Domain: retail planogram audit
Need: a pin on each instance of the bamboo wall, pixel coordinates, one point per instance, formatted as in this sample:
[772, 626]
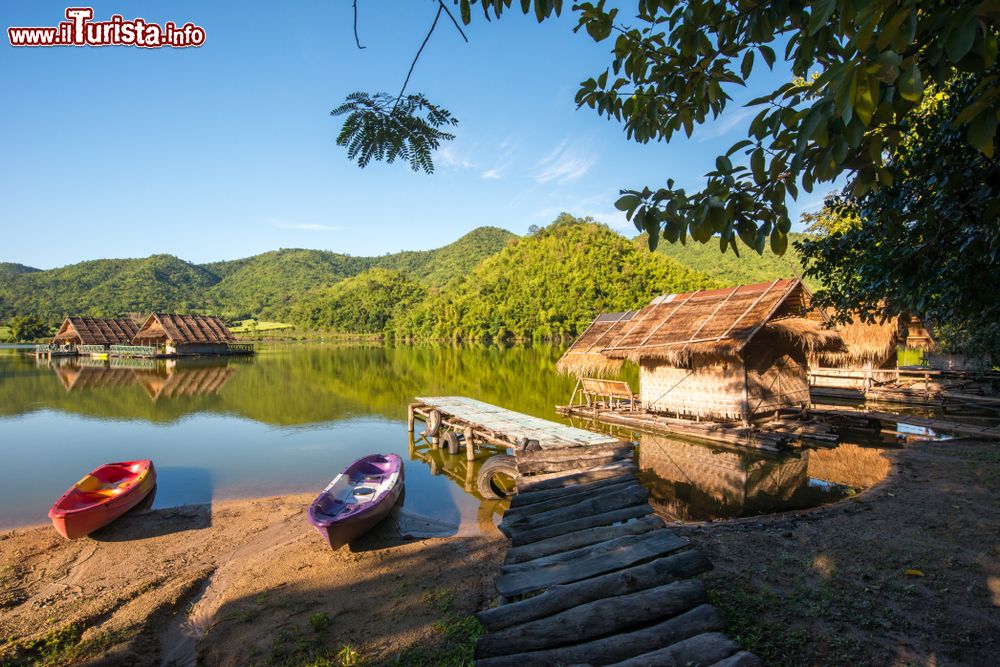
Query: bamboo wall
[709, 392]
[777, 376]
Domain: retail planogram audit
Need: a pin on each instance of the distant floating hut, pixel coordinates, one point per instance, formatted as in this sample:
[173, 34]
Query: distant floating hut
[736, 353]
[183, 335]
[868, 357]
[95, 334]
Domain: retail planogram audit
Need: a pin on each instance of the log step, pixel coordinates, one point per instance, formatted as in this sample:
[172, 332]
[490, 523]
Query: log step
[527, 498]
[701, 619]
[522, 537]
[621, 582]
[594, 619]
[591, 561]
[610, 499]
[582, 538]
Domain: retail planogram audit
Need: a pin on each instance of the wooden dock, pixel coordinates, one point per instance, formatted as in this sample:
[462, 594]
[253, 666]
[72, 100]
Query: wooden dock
[592, 577]
[877, 418]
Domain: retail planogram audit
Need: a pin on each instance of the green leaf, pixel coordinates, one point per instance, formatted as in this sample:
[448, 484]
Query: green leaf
[627, 202]
[779, 242]
[747, 65]
[466, 10]
[723, 164]
[767, 53]
[821, 12]
[910, 84]
[960, 39]
[982, 130]
[757, 166]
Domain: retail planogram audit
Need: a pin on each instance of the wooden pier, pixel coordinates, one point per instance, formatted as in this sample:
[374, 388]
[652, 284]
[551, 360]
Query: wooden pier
[787, 428]
[877, 419]
[592, 577]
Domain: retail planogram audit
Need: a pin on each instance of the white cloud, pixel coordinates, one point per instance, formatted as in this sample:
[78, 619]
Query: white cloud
[723, 125]
[303, 226]
[450, 157]
[492, 174]
[566, 163]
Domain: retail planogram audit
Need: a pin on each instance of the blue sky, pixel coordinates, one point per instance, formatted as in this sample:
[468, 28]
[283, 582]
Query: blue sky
[228, 150]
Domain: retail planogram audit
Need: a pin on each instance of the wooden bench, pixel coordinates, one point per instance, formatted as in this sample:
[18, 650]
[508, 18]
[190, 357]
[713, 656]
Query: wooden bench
[612, 394]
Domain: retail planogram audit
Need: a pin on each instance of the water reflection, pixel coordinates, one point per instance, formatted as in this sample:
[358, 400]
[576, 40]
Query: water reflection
[159, 378]
[692, 481]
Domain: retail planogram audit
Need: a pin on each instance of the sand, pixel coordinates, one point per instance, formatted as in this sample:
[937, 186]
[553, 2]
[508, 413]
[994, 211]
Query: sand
[236, 583]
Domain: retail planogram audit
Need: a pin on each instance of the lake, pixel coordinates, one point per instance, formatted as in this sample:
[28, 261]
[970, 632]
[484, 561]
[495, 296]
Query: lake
[288, 419]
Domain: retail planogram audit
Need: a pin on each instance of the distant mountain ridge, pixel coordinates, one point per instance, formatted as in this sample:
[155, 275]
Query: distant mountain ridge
[264, 285]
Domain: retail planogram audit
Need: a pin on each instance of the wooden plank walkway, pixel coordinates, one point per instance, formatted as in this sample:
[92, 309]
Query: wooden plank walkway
[937, 425]
[592, 577]
[513, 426]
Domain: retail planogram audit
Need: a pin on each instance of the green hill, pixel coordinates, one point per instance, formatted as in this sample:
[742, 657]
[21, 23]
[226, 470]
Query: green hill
[265, 285]
[729, 269]
[361, 304]
[108, 287]
[549, 284]
[434, 268]
[10, 269]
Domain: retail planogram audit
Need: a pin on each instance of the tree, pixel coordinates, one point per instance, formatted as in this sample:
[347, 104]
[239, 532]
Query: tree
[834, 216]
[927, 242]
[27, 328]
[675, 68]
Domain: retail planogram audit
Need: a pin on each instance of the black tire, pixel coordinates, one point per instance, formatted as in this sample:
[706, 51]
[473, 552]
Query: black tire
[495, 467]
[433, 424]
[450, 441]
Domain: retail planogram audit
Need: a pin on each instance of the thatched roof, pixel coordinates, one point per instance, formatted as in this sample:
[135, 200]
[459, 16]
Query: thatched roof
[876, 342]
[97, 330]
[185, 329]
[584, 356]
[707, 324]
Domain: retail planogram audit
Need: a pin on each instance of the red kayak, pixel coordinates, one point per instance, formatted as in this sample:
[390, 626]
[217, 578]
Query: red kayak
[102, 496]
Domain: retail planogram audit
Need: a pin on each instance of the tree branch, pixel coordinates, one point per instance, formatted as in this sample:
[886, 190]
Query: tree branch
[452, 17]
[356, 39]
[417, 57]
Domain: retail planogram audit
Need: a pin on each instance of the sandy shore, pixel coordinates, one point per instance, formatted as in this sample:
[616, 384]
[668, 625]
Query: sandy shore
[907, 573]
[240, 582]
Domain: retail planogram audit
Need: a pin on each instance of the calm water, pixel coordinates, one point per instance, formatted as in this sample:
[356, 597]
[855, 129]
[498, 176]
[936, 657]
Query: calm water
[290, 418]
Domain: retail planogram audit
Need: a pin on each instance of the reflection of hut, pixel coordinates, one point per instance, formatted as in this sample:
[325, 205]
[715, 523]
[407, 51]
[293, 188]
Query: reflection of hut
[690, 481]
[76, 377]
[185, 334]
[181, 381]
[733, 353]
[851, 465]
[99, 332]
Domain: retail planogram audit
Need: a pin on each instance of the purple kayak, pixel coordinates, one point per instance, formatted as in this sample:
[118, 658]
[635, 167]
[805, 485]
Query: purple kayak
[357, 498]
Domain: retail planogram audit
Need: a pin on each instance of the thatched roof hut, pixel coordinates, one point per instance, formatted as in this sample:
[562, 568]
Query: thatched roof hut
[185, 334]
[95, 331]
[731, 353]
[866, 344]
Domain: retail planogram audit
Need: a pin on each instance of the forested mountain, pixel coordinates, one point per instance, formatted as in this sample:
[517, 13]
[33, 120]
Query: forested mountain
[489, 284]
[551, 283]
[264, 285]
[729, 269]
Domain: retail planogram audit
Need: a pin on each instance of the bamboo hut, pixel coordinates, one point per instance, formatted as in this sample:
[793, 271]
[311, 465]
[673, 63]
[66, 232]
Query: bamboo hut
[867, 358]
[174, 381]
[185, 334]
[737, 353]
[95, 332]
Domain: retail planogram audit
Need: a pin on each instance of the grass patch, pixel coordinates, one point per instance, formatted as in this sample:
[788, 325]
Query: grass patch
[258, 326]
[746, 607]
[457, 635]
[60, 646]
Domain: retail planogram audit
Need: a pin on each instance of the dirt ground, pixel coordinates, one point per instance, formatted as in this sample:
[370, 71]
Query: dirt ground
[907, 573]
[241, 582]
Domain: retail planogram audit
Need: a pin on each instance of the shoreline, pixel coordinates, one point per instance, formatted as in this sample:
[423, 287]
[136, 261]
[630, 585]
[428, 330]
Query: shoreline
[243, 581]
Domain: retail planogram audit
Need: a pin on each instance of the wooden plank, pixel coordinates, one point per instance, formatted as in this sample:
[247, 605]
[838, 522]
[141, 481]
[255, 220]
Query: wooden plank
[701, 619]
[525, 499]
[618, 450]
[621, 582]
[703, 649]
[583, 462]
[595, 561]
[573, 554]
[582, 538]
[606, 519]
[560, 480]
[513, 516]
[603, 501]
[597, 618]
